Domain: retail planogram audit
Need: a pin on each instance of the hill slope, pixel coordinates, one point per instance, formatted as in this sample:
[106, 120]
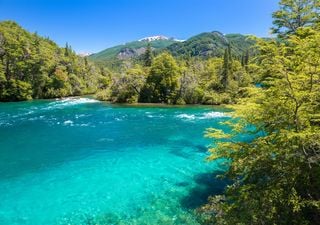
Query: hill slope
[211, 44]
[35, 67]
[132, 49]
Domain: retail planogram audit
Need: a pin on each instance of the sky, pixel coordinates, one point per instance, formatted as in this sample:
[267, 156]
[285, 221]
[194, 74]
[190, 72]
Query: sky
[92, 25]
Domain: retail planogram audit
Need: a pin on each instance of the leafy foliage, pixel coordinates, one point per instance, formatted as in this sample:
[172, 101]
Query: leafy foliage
[179, 81]
[162, 82]
[35, 67]
[294, 14]
[276, 175]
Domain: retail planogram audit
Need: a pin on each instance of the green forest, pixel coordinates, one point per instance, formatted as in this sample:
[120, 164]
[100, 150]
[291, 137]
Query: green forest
[272, 85]
[33, 67]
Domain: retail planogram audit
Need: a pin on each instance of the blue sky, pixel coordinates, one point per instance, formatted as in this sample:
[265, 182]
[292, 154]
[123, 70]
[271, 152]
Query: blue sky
[93, 25]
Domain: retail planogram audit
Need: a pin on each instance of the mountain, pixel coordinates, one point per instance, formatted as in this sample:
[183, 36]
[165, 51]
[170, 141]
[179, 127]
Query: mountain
[211, 44]
[132, 49]
[208, 44]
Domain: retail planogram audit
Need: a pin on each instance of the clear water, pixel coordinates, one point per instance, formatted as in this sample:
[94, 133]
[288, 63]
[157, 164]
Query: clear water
[79, 161]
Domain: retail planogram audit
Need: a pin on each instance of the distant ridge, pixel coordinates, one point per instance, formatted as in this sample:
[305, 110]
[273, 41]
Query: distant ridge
[133, 49]
[211, 44]
[207, 44]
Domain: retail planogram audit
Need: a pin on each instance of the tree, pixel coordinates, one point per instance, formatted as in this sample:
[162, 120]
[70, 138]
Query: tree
[67, 50]
[227, 66]
[3, 81]
[245, 59]
[162, 82]
[147, 56]
[18, 90]
[27, 59]
[128, 87]
[294, 14]
[276, 175]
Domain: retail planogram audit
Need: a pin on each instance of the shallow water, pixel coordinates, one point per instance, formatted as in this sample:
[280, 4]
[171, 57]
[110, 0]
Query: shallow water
[80, 161]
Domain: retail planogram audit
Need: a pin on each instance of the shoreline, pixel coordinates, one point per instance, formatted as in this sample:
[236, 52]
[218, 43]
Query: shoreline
[137, 104]
[163, 105]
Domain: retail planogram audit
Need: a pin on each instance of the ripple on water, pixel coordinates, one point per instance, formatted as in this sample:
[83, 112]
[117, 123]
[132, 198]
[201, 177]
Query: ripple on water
[74, 162]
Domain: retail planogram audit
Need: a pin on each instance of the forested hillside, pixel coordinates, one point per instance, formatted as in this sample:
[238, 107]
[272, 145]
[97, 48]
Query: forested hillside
[35, 67]
[212, 44]
[161, 78]
[129, 50]
[203, 46]
[210, 68]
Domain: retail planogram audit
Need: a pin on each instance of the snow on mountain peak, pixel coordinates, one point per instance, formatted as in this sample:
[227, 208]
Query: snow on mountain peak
[154, 38]
[84, 54]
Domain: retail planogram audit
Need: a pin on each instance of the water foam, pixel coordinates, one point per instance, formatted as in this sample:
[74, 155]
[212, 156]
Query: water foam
[70, 102]
[68, 122]
[186, 116]
[211, 115]
[208, 115]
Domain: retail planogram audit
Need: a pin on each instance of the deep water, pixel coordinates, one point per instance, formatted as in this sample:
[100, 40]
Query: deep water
[80, 161]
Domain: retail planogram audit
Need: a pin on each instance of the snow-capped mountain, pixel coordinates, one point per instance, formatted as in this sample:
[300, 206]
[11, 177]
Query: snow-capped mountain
[154, 38]
[84, 54]
[179, 40]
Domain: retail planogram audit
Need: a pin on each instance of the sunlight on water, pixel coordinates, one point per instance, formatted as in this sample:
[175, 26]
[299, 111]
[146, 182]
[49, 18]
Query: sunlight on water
[80, 161]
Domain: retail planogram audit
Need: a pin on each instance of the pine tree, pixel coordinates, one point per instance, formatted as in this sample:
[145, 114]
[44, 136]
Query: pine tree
[227, 64]
[148, 56]
[229, 53]
[67, 50]
[246, 58]
[242, 60]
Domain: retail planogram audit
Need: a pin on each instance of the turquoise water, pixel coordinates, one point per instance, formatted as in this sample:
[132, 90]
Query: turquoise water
[80, 161]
